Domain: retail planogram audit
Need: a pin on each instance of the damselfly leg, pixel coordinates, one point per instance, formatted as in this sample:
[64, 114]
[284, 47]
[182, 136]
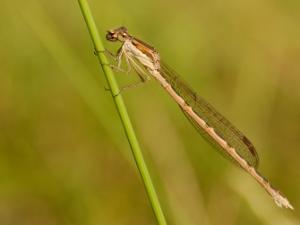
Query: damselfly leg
[131, 64]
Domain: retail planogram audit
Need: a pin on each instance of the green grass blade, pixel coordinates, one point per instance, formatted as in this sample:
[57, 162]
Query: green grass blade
[136, 151]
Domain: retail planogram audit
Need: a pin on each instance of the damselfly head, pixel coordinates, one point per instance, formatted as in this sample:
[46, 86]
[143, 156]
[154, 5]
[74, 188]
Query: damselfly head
[118, 34]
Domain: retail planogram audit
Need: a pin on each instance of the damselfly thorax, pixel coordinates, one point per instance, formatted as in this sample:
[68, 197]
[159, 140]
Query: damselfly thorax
[148, 57]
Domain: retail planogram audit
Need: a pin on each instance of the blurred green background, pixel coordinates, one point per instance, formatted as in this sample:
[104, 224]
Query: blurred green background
[64, 158]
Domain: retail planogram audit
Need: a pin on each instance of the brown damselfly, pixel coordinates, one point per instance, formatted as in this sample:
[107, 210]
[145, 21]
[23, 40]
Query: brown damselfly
[214, 127]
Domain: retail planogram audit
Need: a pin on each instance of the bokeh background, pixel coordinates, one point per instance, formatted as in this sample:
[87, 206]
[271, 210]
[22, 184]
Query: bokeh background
[64, 158]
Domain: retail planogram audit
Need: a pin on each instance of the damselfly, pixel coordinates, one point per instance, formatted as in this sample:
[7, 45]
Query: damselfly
[146, 62]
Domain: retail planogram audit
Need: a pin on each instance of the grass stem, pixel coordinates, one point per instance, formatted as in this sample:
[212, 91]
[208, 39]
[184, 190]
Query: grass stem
[113, 86]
